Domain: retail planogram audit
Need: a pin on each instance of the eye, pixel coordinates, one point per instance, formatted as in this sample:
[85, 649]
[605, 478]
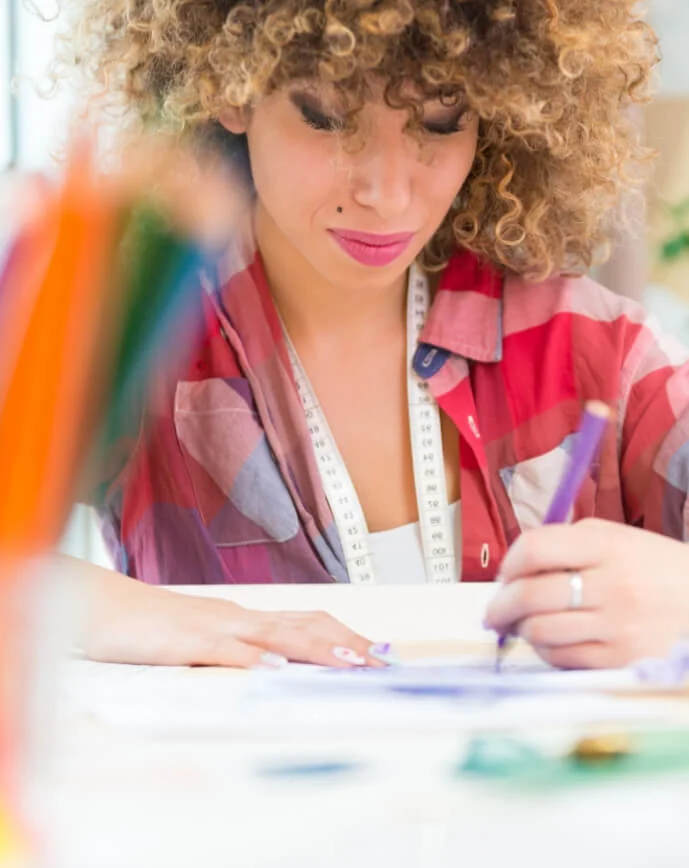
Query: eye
[319, 121]
[456, 124]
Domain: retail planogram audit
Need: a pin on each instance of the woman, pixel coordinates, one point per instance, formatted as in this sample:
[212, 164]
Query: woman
[393, 363]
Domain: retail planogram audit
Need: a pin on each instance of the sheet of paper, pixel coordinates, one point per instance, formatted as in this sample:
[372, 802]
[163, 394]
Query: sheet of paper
[452, 678]
[438, 696]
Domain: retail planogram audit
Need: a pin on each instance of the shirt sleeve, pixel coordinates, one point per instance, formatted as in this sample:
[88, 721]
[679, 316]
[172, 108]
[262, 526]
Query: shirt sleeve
[654, 430]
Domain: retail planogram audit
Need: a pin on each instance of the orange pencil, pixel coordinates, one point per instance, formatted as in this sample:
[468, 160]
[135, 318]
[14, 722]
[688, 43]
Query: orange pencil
[52, 308]
[42, 410]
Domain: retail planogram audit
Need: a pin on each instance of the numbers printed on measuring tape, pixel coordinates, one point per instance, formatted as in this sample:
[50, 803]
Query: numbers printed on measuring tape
[427, 454]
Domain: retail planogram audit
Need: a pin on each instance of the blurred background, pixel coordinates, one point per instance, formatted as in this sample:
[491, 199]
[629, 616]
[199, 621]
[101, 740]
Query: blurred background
[651, 264]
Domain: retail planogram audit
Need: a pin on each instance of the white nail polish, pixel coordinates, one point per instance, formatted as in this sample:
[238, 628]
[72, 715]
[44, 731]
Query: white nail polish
[383, 651]
[349, 656]
[272, 661]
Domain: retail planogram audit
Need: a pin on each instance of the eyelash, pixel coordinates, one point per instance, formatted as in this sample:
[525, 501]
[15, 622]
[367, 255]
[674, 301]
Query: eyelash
[318, 121]
[456, 125]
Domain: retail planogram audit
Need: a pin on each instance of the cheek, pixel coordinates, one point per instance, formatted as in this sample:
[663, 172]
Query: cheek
[448, 171]
[295, 180]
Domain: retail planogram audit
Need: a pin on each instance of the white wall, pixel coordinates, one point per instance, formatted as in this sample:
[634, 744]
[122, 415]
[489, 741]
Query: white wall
[5, 150]
[43, 122]
[671, 20]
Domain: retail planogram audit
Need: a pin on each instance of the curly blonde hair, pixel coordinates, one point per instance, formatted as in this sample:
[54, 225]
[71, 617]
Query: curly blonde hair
[550, 80]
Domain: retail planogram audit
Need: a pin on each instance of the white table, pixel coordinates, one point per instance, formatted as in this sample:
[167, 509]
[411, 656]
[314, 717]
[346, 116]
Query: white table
[126, 801]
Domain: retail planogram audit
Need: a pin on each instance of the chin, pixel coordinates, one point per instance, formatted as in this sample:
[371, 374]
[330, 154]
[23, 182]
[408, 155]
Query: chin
[354, 276]
[370, 280]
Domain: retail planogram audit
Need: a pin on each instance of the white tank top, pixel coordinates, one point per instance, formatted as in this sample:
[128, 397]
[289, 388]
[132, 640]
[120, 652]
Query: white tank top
[398, 554]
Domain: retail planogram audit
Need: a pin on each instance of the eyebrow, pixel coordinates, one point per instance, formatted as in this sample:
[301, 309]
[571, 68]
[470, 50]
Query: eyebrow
[310, 97]
[302, 95]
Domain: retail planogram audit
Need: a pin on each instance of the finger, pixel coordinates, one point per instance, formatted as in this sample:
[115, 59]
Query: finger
[538, 595]
[304, 646]
[557, 547]
[561, 629]
[587, 655]
[309, 638]
[344, 638]
[232, 652]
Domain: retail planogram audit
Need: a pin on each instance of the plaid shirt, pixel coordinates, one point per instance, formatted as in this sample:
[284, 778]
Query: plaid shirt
[221, 484]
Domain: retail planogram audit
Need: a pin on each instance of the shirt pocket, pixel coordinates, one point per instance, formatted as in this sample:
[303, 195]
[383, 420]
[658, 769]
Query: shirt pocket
[238, 487]
[531, 485]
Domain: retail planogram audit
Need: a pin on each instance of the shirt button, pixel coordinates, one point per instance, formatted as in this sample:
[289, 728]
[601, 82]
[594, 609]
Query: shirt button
[474, 427]
[485, 555]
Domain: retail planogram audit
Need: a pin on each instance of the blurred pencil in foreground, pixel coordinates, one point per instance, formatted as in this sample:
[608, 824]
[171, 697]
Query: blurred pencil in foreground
[103, 270]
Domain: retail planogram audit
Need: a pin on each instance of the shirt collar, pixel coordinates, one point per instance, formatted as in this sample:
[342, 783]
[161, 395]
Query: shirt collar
[465, 317]
[466, 314]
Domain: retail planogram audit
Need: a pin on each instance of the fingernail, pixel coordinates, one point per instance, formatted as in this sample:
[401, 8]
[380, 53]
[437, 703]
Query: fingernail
[383, 651]
[349, 656]
[271, 661]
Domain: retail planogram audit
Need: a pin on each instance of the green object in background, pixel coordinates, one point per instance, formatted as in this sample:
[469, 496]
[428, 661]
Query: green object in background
[509, 761]
[677, 245]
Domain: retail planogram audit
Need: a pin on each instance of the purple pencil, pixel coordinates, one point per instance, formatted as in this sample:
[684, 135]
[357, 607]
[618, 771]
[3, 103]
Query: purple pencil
[591, 429]
[593, 424]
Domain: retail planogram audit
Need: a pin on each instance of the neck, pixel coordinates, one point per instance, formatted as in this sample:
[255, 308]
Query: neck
[314, 310]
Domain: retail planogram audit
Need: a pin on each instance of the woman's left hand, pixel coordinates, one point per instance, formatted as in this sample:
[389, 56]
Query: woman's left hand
[634, 593]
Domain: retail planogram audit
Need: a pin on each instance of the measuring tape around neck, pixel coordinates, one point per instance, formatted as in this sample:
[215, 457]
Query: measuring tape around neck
[437, 537]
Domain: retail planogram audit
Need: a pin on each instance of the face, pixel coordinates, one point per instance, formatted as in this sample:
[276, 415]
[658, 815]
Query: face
[355, 212]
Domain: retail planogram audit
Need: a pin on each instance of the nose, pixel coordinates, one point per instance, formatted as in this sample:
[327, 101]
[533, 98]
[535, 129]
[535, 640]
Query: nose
[383, 170]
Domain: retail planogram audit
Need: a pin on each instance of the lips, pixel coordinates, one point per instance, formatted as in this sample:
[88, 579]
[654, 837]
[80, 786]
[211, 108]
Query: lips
[372, 249]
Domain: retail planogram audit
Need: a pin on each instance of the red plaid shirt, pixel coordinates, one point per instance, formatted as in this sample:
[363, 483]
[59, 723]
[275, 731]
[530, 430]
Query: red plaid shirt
[221, 484]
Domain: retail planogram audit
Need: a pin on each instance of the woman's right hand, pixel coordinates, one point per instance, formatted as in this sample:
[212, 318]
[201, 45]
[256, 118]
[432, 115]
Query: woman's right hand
[122, 620]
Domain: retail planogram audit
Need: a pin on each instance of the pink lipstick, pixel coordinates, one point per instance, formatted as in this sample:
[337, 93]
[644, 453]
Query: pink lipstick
[372, 249]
